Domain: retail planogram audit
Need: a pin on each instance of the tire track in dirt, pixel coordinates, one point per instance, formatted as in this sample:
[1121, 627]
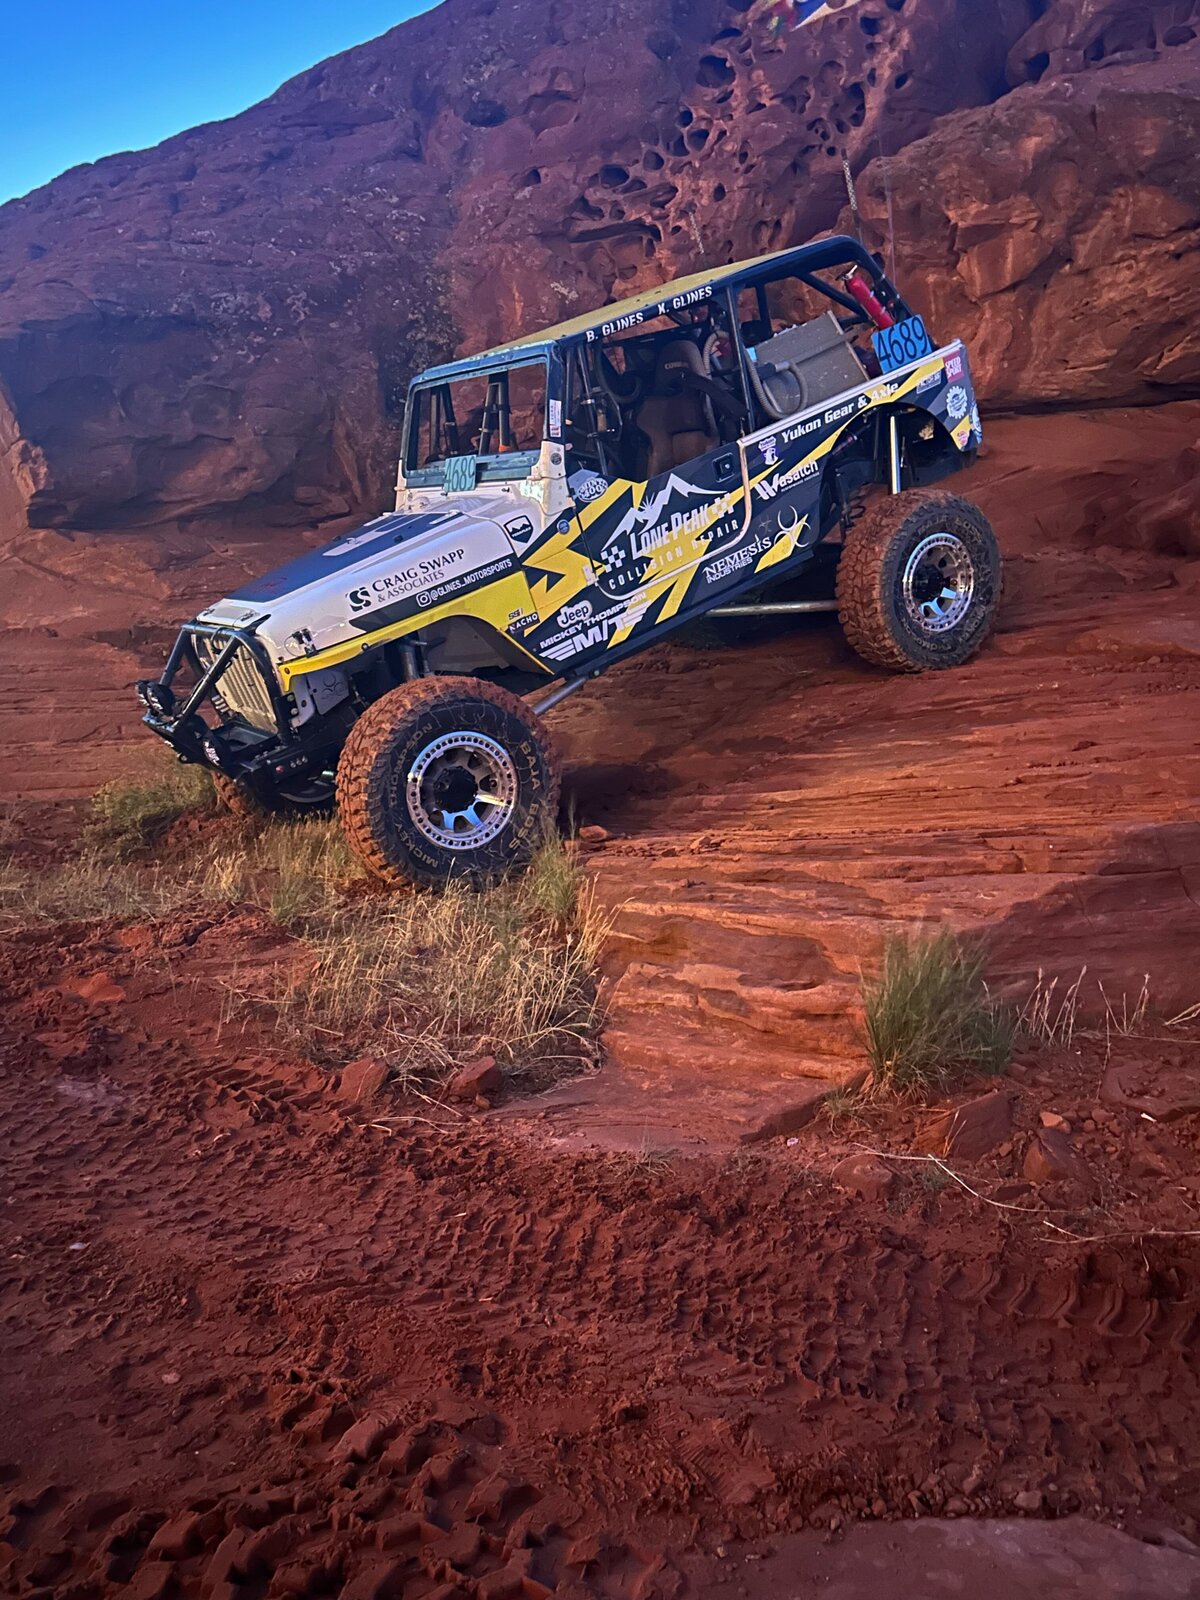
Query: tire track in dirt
[332, 1357]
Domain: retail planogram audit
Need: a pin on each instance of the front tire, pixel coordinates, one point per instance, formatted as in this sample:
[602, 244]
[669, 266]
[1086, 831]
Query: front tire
[919, 582]
[447, 778]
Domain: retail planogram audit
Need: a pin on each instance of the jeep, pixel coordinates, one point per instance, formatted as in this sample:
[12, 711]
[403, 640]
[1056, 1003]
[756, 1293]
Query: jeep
[568, 499]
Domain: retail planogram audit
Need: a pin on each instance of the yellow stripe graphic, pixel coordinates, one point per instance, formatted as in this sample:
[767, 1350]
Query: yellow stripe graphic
[491, 604]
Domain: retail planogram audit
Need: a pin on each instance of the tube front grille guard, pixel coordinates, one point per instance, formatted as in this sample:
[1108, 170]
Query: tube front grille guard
[214, 650]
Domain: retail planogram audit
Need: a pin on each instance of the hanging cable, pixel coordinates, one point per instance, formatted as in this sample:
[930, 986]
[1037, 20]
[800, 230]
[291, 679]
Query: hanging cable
[851, 195]
[891, 221]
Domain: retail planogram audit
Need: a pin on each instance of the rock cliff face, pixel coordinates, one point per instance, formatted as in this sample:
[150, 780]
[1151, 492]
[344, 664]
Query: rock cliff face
[221, 328]
[1058, 232]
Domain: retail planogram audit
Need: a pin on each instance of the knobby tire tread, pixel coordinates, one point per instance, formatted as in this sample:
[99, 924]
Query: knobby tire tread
[862, 605]
[361, 813]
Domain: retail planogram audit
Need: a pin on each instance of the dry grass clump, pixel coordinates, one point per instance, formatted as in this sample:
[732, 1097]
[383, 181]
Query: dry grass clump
[87, 887]
[554, 881]
[1050, 1020]
[130, 813]
[929, 1018]
[419, 978]
[424, 979]
[289, 870]
[1046, 1015]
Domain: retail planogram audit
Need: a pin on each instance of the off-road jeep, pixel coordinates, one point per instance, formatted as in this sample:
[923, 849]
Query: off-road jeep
[571, 498]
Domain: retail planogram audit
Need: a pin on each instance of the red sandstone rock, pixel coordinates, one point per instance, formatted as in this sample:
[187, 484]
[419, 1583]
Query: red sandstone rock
[1046, 229]
[178, 1538]
[1051, 1155]
[477, 1079]
[971, 1130]
[363, 1441]
[225, 323]
[865, 1176]
[363, 1079]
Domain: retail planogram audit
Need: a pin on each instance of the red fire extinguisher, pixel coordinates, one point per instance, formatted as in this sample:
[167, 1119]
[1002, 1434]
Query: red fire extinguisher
[858, 286]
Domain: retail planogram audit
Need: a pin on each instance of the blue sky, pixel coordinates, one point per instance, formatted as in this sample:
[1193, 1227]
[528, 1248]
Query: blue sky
[80, 79]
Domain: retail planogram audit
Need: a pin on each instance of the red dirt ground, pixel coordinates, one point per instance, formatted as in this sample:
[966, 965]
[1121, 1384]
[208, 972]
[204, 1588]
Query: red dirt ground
[257, 1341]
[254, 1338]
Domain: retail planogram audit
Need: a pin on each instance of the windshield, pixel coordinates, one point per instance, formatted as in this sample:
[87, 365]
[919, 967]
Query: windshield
[480, 425]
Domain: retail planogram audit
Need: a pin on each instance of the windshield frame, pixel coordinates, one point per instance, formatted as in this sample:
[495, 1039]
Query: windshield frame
[498, 467]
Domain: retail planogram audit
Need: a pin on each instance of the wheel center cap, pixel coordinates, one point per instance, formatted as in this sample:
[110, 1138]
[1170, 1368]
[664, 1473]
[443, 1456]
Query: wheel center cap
[453, 789]
[461, 790]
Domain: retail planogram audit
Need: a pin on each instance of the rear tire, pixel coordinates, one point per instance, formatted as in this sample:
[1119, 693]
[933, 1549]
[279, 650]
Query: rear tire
[918, 584]
[256, 803]
[447, 778]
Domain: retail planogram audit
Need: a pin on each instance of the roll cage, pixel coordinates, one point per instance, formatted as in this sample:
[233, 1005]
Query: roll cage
[582, 400]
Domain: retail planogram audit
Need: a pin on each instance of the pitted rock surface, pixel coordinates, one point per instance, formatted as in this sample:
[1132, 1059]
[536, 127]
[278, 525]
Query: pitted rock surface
[222, 327]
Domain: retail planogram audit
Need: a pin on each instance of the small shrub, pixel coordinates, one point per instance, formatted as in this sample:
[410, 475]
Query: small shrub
[929, 1018]
[554, 881]
[132, 812]
[840, 1106]
[934, 1178]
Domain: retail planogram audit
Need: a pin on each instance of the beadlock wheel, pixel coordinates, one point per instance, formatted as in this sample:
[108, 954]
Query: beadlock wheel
[461, 790]
[919, 581]
[447, 778]
[938, 582]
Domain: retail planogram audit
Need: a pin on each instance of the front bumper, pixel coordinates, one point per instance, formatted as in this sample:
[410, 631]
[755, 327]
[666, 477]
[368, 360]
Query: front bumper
[234, 745]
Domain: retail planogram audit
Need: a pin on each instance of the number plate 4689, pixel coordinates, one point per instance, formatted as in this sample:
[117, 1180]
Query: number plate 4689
[897, 346]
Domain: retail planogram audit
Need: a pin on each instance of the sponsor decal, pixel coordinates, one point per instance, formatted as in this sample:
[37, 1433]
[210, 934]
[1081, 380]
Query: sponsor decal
[931, 381]
[770, 449]
[674, 527]
[587, 486]
[976, 425]
[519, 530]
[469, 580]
[770, 487]
[520, 622]
[555, 418]
[597, 634]
[570, 616]
[801, 430]
[745, 555]
[961, 432]
[957, 403]
[954, 368]
[392, 586]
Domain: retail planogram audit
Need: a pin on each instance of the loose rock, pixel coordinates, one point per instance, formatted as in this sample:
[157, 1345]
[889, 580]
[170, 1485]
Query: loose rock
[477, 1080]
[362, 1080]
[1052, 1155]
[969, 1131]
[865, 1176]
